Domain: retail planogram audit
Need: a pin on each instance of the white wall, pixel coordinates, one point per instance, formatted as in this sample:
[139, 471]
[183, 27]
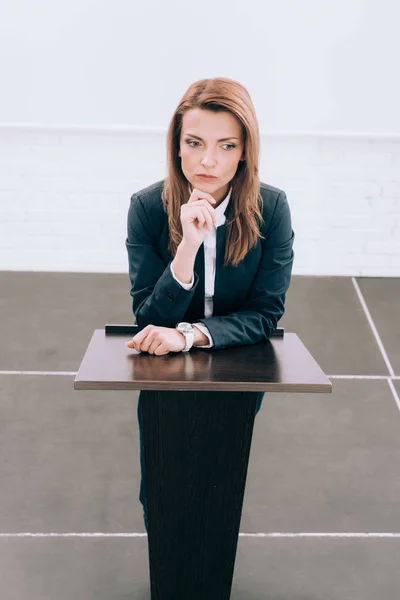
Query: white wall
[310, 65]
[88, 88]
[64, 198]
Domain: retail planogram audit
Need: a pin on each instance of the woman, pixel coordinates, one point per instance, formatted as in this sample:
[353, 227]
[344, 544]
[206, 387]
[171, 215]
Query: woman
[210, 248]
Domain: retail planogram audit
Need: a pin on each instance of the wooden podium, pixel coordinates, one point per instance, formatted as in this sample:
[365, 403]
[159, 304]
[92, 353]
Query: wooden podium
[198, 417]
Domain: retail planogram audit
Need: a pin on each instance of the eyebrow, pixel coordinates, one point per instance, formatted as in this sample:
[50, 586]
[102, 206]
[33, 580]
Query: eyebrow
[221, 140]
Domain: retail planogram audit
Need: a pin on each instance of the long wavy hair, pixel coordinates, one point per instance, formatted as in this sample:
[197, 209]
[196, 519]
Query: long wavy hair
[243, 226]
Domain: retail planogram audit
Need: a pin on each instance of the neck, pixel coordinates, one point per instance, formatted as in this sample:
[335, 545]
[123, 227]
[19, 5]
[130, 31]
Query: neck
[220, 194]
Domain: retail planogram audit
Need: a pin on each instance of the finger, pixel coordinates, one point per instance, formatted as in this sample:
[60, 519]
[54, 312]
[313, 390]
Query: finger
[200, 218]
[145, 345]
[203, 206]
[204, 203]
[199, 194]
[154, 345]
[140, 337]
[193, 214]
[209, 220]
[133, 344]
[162, 349]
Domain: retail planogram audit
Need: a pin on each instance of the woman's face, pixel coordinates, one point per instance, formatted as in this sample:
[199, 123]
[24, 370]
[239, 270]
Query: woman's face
[210, 143]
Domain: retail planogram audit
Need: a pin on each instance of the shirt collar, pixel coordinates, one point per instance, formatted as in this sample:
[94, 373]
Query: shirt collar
[221, 208]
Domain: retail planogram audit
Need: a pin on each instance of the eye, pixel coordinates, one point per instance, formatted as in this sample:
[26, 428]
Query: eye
[196, 142]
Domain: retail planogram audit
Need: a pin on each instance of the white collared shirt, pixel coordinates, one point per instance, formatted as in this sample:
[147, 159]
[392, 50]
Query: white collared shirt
[210, 254]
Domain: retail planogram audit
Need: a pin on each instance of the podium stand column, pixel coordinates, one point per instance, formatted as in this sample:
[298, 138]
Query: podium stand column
[196, 453]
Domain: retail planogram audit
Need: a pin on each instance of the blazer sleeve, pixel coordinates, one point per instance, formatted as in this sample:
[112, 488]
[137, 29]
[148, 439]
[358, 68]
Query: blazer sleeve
[259, 313]
[157, 298]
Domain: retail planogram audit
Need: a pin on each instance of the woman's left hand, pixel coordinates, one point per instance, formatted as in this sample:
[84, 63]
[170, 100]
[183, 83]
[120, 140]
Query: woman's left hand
[158, 340]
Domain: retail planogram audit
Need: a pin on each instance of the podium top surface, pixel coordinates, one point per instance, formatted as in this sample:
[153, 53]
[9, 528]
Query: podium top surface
[281, 364]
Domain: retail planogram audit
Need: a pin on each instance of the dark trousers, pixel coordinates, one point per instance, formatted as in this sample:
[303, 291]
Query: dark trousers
[142, 493]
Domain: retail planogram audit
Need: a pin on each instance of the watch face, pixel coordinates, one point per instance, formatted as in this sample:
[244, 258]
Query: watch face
[185, 327]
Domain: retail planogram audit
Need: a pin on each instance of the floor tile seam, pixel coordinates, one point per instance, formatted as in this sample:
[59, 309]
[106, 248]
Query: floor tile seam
[394, 392]
[373, 326]
[366, 377]
[74, 373]
[373, 378]
[342, 534]
[9, 372]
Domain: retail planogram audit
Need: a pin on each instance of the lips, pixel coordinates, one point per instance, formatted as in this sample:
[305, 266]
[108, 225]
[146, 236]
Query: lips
[206, 176]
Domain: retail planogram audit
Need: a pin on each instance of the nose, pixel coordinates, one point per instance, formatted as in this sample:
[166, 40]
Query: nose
[208, 160]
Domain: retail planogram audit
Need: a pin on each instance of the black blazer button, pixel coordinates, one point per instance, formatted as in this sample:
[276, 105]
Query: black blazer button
[171, 297]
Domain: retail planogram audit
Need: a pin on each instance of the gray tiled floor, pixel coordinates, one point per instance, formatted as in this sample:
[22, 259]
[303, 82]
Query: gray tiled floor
[326, 314]
[383, 300]
[48, 318]
[71, 457]
[319, 462]
[266, 569]
[326, 462]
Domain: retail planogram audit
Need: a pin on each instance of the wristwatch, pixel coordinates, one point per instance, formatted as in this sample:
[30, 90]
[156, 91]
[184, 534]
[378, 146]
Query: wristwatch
[188, 332]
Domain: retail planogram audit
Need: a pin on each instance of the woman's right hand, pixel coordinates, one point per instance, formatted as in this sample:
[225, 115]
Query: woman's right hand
[197, 217]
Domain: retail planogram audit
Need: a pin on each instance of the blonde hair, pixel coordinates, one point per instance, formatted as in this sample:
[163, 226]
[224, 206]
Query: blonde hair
[218, 94]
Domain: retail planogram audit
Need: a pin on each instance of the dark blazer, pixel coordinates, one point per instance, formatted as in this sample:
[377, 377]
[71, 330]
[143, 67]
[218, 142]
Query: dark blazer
[248, 299]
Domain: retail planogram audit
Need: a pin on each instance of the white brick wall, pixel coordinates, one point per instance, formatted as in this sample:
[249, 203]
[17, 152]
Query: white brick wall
[64, 197]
